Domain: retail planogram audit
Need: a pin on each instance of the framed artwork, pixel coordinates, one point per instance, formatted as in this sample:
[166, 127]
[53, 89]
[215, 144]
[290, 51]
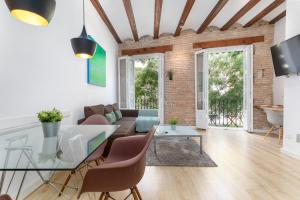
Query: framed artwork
[96, 73]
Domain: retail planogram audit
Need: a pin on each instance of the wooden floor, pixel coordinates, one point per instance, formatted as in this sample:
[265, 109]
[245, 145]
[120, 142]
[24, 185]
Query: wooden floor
[249, 167]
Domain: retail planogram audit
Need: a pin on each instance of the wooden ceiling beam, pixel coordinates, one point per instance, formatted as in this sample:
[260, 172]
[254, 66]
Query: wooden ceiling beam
[105, 19]
[186, 11]
[212, 15]
[130, 15]
[240, 14]
[147, 50]
[263, 13]
[157, 16]
[279, 17]
[228, 42]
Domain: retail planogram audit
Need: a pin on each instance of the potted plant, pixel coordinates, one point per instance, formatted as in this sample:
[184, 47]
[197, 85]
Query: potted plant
[173, 122]
[50, 122]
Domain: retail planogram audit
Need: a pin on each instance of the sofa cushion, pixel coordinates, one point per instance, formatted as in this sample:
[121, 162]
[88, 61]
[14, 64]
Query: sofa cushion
[115, 106]
[126, 127]
[130, 113]
[111, 117]
[93, 110]
[108, 109]
[129, 118]
[118, 114]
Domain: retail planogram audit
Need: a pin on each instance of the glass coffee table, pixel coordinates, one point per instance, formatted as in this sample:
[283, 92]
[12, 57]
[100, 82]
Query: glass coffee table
[179, 131]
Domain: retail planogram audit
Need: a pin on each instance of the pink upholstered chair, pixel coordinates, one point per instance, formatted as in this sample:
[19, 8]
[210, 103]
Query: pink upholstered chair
[97, 155]
[5, 197]
[96, 120]
[123, 168]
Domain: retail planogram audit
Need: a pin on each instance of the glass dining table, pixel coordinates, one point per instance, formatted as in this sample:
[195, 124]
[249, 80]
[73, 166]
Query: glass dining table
[27, 149]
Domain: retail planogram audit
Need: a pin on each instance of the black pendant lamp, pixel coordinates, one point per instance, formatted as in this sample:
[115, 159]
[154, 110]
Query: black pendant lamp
[34, 12]
[83, 47]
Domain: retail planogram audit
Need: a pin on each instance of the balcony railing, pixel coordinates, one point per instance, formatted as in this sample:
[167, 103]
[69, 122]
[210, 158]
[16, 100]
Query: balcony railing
[226, 113]
[143, 103]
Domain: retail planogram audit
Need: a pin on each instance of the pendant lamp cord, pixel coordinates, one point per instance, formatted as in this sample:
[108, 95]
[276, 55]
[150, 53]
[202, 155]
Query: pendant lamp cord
[83, 12]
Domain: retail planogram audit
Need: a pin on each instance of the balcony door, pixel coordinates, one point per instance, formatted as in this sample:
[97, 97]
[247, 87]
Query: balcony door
[126, 83]
[141, 82]
[201, 86]
[223, 114]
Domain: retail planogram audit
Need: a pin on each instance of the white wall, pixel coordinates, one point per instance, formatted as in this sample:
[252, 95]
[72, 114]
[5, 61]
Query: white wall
[38, 69]
[292, 88]
[278, 83]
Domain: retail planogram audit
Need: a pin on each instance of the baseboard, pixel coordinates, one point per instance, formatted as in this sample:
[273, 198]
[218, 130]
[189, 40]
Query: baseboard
[289, 153]
[259, 131]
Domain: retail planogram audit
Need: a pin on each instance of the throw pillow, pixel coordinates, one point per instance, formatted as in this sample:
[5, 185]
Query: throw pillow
[108, 109]
[118, 114]
[111, 117]
[115, 106]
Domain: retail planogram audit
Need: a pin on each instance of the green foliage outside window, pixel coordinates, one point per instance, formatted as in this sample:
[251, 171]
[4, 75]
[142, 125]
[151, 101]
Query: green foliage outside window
[226, 79]
[146, 84]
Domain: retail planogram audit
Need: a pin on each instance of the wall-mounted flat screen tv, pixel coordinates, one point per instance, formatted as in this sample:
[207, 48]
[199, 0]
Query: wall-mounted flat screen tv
[286, 57]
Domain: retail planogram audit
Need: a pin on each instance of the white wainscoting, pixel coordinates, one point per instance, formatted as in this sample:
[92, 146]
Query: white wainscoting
[16, 123]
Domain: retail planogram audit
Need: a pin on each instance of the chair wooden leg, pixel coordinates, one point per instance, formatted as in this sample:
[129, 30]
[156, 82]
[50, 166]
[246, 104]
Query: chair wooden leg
[106, 195]
[66, 183]
[268, 133]
[134, 194]
[102, 158]
[97, 162]
[280, 135]
[101, 196]
[137, 192]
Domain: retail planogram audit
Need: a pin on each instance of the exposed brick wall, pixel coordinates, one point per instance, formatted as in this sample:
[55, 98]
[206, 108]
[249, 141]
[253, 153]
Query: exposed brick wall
[180, 93]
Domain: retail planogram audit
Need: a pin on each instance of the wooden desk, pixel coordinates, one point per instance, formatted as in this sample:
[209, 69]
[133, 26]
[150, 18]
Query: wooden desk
[278, 108]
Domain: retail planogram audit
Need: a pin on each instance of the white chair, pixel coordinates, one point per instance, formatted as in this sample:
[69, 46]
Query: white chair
[276, 119]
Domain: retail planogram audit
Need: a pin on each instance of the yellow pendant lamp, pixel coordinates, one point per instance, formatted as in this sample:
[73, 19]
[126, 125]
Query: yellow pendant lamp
[83, 47]
[34, 12]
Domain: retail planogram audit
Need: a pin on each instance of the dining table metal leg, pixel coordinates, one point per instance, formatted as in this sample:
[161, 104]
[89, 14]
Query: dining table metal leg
[14, 173]
[4, 172]
[201, 145]
[48, 182]
[155, 151]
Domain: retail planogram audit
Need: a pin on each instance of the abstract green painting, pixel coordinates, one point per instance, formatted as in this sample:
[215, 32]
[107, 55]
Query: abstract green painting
[97, 67]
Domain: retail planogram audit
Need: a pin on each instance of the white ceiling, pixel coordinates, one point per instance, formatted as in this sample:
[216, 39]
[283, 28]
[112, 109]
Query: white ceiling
[171, 12]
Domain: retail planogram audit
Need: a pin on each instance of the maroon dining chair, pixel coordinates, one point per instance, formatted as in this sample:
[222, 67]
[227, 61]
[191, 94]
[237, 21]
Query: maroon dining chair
[96, 156]
[123, 168]
[5, 197]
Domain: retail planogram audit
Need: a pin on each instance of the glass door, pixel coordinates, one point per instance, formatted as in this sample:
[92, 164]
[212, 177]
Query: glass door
[201, 86]
[126, 83]
[248, 88]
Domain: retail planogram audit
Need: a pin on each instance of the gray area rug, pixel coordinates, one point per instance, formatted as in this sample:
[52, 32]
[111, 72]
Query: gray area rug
[178, 152]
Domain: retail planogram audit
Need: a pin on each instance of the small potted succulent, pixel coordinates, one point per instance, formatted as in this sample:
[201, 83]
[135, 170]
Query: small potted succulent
[173, 122]
[50, 122]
